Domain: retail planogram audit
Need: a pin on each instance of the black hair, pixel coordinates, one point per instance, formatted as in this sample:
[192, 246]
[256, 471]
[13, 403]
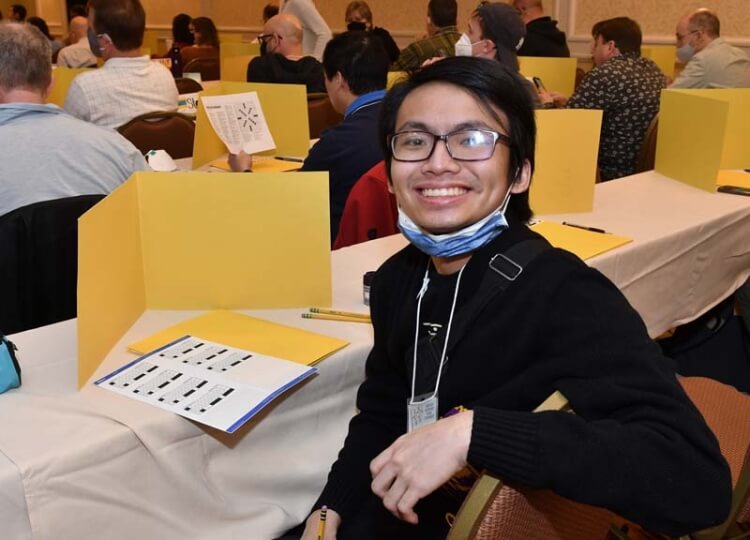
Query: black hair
[41, 24]
[442, 12]
[361, 59]
[270, 10]
[124, 21]
[19, 12]
[496, 88]
[207, 29]
[181, 28]
[78, 10]
[625, 32]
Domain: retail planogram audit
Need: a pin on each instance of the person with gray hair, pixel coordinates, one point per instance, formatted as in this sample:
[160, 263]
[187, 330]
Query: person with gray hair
[46, 153]
[710, 62]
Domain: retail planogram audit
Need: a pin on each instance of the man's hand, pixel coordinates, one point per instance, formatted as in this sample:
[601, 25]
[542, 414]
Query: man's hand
[333, 521]
[241, 162]
[418, 463]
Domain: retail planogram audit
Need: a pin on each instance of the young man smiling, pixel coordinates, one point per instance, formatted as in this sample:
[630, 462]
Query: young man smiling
[479, 320]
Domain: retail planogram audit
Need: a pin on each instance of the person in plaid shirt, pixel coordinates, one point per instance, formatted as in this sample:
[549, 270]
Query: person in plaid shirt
[442, 35]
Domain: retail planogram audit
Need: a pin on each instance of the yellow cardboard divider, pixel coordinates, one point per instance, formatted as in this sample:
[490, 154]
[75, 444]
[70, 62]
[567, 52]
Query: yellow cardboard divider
[249, 333]
[238, 48]
[567, 146]
[557, 74]
[199, 241]
[585, 244]
[702, 132]
[285, 109]
[61, 79]
[150, 42]
[229, 37]
[394, 77]
[234, 68]
[663, 56]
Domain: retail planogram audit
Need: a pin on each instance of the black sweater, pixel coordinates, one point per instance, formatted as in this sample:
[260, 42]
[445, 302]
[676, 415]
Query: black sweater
[543, 38]
[635, 445]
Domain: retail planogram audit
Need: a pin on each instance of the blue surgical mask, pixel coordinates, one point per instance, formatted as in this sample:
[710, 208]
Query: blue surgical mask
[94, 43]
[685, 53]
[459, 242]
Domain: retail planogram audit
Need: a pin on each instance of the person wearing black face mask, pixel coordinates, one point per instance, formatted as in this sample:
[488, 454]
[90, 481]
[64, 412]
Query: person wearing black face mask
[359, 18]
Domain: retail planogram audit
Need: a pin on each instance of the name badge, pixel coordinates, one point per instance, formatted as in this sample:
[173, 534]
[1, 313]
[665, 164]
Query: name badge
[421, 413]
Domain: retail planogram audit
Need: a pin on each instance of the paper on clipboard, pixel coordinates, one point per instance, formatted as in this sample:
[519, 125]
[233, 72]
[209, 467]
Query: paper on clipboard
[239, 122]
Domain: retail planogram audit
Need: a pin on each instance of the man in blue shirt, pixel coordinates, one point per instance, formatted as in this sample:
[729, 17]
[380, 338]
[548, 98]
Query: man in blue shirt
[356, 72]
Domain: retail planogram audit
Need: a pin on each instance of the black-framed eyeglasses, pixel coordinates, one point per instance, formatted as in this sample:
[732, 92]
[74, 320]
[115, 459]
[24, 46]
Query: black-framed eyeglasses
[265, 37]
[462, 144]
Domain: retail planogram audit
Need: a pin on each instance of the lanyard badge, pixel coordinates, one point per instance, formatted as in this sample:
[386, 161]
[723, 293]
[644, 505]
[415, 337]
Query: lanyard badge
[422, 410]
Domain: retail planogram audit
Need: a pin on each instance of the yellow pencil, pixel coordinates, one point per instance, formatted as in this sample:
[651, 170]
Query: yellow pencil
[326, 311]
[322, 523]
[341, 318]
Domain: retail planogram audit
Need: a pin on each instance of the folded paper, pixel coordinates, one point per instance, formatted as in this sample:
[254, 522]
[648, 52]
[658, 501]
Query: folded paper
[585, 244]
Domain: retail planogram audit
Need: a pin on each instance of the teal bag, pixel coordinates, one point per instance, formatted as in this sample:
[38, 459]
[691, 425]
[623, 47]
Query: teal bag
[10, 371]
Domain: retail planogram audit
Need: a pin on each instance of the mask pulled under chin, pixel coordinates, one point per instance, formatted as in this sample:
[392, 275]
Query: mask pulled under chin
[466, 240]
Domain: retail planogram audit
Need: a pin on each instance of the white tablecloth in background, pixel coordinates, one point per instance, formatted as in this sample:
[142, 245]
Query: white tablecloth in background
[90, 464]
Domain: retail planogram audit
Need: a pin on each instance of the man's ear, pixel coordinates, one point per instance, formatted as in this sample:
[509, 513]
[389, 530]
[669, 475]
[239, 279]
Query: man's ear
[487, 47]
[522, 178]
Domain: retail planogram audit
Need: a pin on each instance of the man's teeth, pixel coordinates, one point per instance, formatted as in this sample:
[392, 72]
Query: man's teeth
[443, 192]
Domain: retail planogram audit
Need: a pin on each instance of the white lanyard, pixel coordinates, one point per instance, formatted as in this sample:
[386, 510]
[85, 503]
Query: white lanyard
[420, 295]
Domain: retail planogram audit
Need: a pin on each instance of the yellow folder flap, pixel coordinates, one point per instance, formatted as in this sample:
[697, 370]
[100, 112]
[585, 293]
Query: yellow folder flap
[566, 153]
[261, 164]
[234, 68]
[690, 141]
[249, 333]
[585, 244]
[61, 79]
[733, 178]
[663, 56]
[231, 47]
[394, 77]
[284, 107]
[557, 74]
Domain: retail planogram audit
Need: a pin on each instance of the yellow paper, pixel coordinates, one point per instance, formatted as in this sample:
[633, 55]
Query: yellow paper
[733, 178]
[557, 74]
[249, 333]
[394, 77]
[585, 244]
[663, 56]
[691, 137]
[200, 241]
[566, 152]
[262, 164]
[284, 107]
[111, 288]
[61, 79]
[234, 68]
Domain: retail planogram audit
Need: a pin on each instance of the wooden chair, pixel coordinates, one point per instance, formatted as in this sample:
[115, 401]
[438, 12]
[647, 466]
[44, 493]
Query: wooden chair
[727, 413]
[320, 114]
[170, 131]
[208, 67]
[647, 155]
[186, 85]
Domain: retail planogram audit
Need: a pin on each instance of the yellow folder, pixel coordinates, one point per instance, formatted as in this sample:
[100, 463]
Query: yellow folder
[557, 74]
[733, 178]
[249, 333]
[663, 56]
[585, 244]
[61, 79]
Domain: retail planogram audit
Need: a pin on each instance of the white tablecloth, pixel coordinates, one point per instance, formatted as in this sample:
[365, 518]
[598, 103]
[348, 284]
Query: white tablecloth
[92, 464]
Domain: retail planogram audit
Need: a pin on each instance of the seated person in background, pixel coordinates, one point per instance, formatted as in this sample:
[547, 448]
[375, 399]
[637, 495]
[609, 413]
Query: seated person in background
[543, 38]
[281, 59]
[79, 53]
[46, 153]
[710, 62]
[206, 40]
[459, 141]
[442, 37]
[129, 84]
[359, 17]
[55, 44]
[316, 32]
[17, 12]
[356, 72]
[623, 84]
[181, 35]
[495, 31]
[269, 10]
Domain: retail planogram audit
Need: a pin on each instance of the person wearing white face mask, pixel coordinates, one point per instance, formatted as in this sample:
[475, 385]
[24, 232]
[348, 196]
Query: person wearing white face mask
[478, 320]
[710, 62]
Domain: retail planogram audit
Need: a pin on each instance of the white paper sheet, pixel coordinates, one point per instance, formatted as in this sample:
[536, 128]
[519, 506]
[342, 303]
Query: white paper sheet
[220, 386]
[239, 122]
